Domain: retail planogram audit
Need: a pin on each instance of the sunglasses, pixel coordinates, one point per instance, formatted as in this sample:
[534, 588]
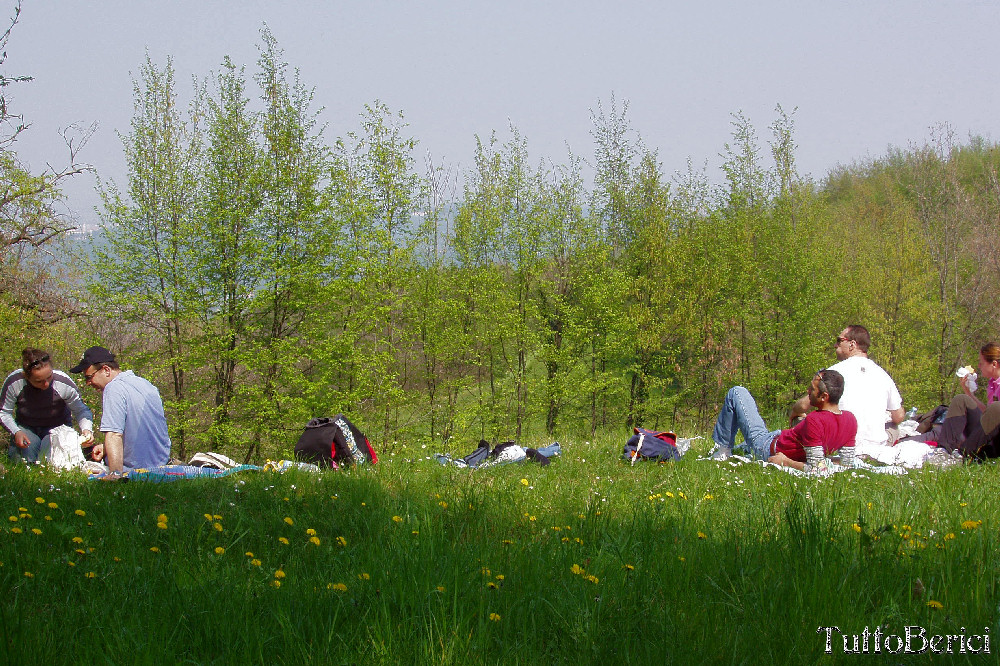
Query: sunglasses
[37, 362]
[92, 375]
[840, 339]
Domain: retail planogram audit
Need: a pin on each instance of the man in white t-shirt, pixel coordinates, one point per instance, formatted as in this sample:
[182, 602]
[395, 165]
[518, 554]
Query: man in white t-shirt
[869, 392]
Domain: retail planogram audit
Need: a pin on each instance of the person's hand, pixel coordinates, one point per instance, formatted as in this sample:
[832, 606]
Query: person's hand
[88, 437]
[780, 459]
[97, 453]
[21, 440]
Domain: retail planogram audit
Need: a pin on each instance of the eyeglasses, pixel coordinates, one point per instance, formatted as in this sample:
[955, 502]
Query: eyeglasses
[840, 339]
[92, 375]
[37, 362]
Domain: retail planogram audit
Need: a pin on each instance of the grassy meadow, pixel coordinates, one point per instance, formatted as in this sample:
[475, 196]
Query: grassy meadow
[588, 560]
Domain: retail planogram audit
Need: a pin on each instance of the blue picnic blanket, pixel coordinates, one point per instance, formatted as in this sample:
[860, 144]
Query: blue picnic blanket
[177, 472]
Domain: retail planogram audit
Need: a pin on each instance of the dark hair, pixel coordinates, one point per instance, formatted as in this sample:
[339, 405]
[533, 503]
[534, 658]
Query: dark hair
[990, 351]
[32, 358]
[860, 336]
[831, 382]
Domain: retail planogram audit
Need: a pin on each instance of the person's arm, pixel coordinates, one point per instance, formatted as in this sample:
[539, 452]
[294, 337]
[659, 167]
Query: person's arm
[897, 415]
[799, 409]
[114, 447]
[783, 460]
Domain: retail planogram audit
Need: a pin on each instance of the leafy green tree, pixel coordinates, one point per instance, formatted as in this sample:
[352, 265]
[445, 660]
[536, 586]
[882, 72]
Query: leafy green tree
[146, 269]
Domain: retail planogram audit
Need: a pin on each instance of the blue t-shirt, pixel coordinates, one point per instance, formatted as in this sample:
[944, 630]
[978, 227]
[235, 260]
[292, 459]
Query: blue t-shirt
[132, 406]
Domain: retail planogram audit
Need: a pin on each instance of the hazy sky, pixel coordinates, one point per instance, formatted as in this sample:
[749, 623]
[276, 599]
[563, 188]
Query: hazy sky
[863, 74]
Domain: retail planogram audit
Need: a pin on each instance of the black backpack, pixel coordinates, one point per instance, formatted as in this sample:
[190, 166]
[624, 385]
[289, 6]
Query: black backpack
[334, 442]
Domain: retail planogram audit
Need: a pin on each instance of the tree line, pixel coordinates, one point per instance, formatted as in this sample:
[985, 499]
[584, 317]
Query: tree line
[262, 275]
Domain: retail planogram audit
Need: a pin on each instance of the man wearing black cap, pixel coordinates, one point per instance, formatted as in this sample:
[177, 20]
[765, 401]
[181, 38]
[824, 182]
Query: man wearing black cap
[132, 419]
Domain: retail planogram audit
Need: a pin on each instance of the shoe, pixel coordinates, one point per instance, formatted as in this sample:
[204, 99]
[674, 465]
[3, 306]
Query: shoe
[721, 453]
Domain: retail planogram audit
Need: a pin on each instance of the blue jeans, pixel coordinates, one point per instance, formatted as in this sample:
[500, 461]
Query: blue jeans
[39, 445]
[739, 414]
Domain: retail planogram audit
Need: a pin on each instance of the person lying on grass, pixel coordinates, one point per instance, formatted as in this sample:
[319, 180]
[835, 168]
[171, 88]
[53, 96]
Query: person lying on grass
[825, 430]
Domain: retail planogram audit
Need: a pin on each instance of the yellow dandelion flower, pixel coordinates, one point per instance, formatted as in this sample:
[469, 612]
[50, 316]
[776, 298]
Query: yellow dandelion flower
[28, 574]
[39, 500]
[593, 579]
[219, 550]
[682, 495]
[248, 554]
[255, 562]
[35, 530]
[506, 542]
[117, 559]
[565, 539]
[857, 528]
[283, 540]
[162, 518]
[397, 519]
[578, 540]
[80, 551]
[415, 532]
[25, 515]
[52, 505]
[364, 576]
[314, 540]
[208, 517]
[708, 497]
[279, 573]
[499, 576]
[494, 617]
[48, 517]
[491, 585]
[161, 525]
[289, 521]
[339, 587]
[682, 559]
[217, 527]
[310, 532]
[936, 605]
[15, 530]
[80, 512]
[669, 494]
[440, 588]
[628, 567]
[154, 549]
[531, 518]
[971, 524]
[524, 482]
[963, 504]
[276, 583]
[341, 541]
[485, 571]
[702, 535]
[217, 517]
[443, 505]
[12, 519]
[577, 569]
[949, 536]
[90, 574]
[21, 509]
[556, 528]
[72, 564]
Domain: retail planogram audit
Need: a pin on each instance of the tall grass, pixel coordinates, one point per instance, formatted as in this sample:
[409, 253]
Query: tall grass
[588, 560]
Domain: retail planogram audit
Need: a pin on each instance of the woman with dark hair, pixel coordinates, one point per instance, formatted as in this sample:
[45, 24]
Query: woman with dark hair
[970, 426]
[35, 399]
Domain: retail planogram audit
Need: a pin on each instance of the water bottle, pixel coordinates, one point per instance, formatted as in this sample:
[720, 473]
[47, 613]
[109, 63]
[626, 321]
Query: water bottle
[912, 414]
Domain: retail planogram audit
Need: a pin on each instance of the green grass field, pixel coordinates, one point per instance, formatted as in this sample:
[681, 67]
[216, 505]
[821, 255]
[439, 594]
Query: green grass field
[586, 561]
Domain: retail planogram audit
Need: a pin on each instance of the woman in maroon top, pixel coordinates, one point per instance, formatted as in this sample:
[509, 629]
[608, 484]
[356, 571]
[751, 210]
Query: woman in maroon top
[825, 430]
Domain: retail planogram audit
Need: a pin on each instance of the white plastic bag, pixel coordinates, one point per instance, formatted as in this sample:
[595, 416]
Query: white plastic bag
[65, 451]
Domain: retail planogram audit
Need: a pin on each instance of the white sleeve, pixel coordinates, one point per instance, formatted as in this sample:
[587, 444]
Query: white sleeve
[11, 388]
[68, 391]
